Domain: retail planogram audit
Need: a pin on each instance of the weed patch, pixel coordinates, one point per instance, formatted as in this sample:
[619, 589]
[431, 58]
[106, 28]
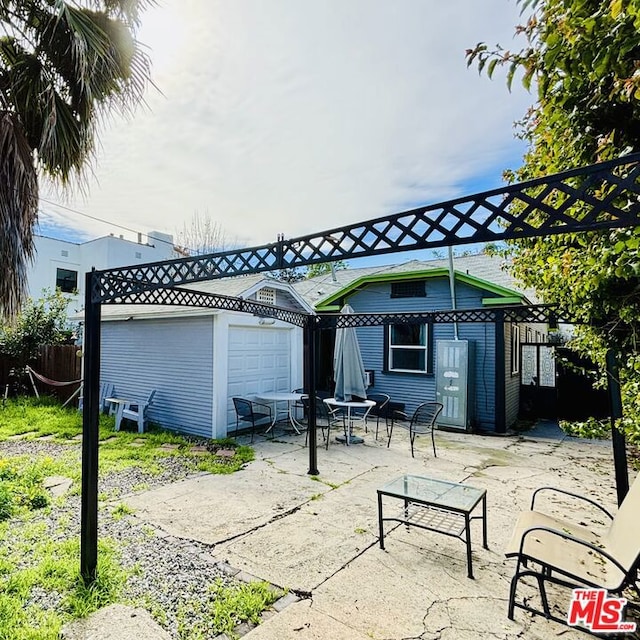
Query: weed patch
[227, 607]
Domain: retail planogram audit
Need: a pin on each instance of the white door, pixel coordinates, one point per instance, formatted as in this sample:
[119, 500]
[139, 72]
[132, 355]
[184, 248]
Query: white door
[259, 361]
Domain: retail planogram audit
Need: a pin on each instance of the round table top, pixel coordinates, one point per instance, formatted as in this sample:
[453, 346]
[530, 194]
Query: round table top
[276, 396]
[358, 404]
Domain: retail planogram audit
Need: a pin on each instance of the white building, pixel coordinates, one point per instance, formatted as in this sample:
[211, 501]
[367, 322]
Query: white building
[62, 264]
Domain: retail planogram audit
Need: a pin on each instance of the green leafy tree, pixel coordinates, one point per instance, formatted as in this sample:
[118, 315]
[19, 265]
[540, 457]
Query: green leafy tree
[582, 58]
[64, 66]
[39, 322]
[325, 267]
[292, 275]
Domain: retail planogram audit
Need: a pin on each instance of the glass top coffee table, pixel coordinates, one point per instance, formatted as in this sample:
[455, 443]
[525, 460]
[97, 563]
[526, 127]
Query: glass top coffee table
[436, 505]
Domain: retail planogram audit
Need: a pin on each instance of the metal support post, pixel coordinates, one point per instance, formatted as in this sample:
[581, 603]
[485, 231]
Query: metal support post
[90, 435]
[617, 437]
[310, 335]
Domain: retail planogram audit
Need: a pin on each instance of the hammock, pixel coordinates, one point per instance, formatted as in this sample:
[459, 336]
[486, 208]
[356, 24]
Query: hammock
[49, 381]
[52, 383]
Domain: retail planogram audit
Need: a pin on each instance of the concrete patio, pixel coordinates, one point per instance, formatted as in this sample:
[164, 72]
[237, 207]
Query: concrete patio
[318, 537]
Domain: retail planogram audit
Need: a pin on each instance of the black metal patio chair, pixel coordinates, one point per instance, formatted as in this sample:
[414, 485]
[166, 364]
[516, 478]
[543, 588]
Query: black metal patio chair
[325, 419]
[380, 410]
[251, 413]
[422, 421]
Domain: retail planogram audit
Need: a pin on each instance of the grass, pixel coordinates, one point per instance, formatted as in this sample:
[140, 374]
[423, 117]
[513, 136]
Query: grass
[226, 608]
[39, 561]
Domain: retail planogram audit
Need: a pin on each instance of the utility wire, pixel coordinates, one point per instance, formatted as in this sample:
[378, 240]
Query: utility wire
[113, 224]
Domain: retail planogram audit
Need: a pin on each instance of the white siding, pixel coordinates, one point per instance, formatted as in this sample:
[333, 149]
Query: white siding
[174, 357]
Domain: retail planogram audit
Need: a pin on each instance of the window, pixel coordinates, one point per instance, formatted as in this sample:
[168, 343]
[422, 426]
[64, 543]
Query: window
[66, 280]
[408, 348]
[515, 349]
[410, 289]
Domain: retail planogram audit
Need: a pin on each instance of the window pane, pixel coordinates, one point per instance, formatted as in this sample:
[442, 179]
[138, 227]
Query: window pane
[413, 335]
[408, 359]
[66, 280]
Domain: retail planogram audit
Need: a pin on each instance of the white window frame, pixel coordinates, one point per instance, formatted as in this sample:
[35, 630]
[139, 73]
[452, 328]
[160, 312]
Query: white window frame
[515, 349]
[405, 347]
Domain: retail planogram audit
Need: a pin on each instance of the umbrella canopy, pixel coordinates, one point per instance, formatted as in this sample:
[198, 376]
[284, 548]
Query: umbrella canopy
[348, 369]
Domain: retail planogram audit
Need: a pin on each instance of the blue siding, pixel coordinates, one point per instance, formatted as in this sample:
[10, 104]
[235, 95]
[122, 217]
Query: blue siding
[174, 357]
[412, 389]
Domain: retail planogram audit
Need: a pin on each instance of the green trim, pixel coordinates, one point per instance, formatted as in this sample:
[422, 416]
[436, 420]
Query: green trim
[488, 302]
[425, 274]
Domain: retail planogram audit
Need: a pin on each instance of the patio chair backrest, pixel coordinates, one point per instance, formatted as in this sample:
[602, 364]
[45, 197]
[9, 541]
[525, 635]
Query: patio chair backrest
[243, 408]
[381, 400]
[622, 538]
[425, 415]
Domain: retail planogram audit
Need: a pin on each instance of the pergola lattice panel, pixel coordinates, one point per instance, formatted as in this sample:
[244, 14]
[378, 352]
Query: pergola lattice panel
[601, 196]
[533, 313]
[189, 298]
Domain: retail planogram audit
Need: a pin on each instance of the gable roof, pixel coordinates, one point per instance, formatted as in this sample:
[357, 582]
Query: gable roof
[480, 270]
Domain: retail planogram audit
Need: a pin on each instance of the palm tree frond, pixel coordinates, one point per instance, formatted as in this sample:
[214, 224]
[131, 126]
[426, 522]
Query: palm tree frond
[18, 212]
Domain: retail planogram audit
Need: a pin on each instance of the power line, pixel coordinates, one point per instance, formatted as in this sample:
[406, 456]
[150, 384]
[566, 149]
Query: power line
[113, 224]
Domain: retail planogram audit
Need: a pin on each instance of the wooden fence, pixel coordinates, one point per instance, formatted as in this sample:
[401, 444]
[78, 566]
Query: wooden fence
[61, 363]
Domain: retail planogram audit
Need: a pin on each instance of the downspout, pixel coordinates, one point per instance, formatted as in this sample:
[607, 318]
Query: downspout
[452, 289]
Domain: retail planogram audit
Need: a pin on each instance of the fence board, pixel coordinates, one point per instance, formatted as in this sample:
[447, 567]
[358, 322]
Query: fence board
[56, 362]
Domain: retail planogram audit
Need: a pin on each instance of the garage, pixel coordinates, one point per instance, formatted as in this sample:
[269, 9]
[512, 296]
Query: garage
[259, 360]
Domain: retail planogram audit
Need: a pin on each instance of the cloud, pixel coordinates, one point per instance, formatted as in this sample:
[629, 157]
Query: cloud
[293, 117]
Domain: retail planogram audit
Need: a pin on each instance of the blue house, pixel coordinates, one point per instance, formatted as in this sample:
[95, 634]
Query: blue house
[472, 368]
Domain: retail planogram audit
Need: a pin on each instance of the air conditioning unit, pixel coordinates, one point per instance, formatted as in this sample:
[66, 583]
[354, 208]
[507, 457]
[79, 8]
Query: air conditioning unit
[370, 378]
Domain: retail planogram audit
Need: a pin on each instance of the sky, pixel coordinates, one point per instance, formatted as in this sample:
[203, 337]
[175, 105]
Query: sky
[293, 116]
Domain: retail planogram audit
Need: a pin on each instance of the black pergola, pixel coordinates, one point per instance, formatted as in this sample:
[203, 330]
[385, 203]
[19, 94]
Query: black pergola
[597, 197]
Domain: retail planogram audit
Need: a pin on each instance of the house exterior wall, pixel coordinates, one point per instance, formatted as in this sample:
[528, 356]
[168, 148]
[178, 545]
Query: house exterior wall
[412, 389]
[173, 356]
[512, 378]
[527, 332]
[101, 253]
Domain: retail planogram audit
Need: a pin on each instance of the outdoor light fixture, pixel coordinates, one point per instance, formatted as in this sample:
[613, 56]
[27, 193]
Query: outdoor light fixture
[266, 321]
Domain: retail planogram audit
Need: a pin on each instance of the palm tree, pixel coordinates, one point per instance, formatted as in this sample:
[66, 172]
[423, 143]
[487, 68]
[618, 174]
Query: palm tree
[64, 65]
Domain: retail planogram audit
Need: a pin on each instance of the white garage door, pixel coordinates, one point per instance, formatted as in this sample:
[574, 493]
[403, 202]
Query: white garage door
[259, 361]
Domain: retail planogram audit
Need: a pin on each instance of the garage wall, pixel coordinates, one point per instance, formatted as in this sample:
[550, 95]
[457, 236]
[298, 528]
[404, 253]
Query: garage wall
[174, 357]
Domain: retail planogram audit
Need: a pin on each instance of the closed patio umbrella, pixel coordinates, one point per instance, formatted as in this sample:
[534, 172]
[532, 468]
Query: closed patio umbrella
[348, 369]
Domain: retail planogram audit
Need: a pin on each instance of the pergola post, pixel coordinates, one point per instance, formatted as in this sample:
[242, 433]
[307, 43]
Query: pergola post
[617, 437]
[90, 435]
[310, 336]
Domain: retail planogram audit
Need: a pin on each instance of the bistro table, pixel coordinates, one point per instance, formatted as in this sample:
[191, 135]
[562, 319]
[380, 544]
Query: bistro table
[350, 405]
[436, 505]
[290, 399]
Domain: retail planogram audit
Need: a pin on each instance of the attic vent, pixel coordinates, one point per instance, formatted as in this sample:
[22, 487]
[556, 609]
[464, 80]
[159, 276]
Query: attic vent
[410, 289]
[138, 254]
[267, 296]
[64, 253]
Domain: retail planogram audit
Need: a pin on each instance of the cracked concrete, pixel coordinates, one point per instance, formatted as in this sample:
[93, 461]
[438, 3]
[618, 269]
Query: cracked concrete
[319, 537]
